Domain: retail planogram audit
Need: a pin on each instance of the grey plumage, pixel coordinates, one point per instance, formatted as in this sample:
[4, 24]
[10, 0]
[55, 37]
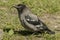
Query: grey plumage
[30, 21]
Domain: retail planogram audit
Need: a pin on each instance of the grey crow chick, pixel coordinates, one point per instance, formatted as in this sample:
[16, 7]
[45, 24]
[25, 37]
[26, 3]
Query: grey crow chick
[30, 21]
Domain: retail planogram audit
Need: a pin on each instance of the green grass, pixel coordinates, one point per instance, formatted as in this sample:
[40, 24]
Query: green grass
[9, 17]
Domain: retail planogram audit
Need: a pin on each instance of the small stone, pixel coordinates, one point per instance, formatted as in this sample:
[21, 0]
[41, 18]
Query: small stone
[1, 34]
[56, 26]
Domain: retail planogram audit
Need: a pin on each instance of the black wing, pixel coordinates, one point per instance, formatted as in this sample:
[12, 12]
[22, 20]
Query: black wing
[31, 20]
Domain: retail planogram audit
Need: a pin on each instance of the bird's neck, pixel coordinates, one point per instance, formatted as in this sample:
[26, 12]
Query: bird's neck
[22, 11]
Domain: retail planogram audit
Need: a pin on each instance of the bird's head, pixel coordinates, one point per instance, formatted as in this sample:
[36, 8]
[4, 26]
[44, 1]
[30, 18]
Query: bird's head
[20, 7]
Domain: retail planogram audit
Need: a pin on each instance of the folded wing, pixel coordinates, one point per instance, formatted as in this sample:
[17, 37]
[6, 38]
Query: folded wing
[32, 19]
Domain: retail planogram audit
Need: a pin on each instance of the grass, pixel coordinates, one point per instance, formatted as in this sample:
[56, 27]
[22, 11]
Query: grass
[9, 17]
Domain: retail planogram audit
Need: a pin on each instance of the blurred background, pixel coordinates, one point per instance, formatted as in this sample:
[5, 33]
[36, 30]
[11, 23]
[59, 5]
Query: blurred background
[47, 10]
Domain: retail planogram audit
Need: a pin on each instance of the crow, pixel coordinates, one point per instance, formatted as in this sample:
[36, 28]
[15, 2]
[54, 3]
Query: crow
[30, 21]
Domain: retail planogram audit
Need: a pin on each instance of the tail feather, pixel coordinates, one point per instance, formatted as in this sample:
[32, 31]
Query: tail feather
[50, 32]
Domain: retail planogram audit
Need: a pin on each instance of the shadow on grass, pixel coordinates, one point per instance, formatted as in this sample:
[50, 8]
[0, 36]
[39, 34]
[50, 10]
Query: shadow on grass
[26, 33]
[23, 32]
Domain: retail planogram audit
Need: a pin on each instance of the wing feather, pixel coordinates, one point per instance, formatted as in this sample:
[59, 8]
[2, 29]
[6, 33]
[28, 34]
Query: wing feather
[31, 20]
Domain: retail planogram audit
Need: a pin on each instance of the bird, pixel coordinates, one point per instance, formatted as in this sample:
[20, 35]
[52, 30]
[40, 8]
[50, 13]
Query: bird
[30, 21]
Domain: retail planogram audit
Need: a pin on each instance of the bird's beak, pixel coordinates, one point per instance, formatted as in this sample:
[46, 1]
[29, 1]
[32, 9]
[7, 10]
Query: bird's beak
[14, 6]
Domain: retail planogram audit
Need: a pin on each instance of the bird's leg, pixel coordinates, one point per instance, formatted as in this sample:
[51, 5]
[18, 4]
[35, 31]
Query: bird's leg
[34, 33]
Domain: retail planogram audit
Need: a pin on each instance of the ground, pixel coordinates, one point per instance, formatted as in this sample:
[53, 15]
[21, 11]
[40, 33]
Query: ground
[47, 10]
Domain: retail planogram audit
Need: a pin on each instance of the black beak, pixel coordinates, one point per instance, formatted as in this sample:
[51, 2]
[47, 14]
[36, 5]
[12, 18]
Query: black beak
[14, 6]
